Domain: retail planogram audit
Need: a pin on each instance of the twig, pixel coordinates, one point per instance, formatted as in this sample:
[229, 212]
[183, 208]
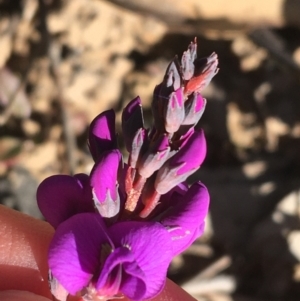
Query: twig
[5, 115]
[199, 250]
[268, 39]
[208, 280]
[12, 100]
[54, 53]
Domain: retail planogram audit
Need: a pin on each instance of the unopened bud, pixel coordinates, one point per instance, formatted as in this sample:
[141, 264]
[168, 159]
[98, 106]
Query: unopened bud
[187, 61]
[194, 108]
[104, 184]
[132, 121]
[139, 141]
[102, 135]
[174, 111]
[205, 70]
[183, 164]
[155, 157]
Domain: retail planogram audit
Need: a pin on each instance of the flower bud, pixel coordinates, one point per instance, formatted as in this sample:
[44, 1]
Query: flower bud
[102, 135]
[194, 108]
[205, 70]
[172, 77]
[162, 94]
[155, 157]
[174, 111]
[187, 61]
[184, 163]
[104, 183]
[139, 141]
[132, 121]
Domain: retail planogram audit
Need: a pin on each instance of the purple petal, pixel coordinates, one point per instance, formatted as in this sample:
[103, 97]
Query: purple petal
[74, 252]
[132, 121]
[145, 276]
[192, 153]
[170, 199]
[183, 164]
[185, 220]
[102, 135]
[87, 204]
[121, 273]
[104, 183]
[61, 196]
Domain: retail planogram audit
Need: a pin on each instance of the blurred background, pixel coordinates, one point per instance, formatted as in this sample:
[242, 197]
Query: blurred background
[62, 62]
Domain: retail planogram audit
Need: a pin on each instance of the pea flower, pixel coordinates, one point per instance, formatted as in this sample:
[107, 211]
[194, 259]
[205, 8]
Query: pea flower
[118, 228]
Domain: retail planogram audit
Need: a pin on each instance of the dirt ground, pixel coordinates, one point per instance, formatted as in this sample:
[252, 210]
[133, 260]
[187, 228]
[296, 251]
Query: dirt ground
[63, 62]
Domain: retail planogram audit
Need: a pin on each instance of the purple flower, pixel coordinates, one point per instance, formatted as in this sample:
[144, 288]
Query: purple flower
[59, 197]
[86, 256]
[102, 135]
[118, 229]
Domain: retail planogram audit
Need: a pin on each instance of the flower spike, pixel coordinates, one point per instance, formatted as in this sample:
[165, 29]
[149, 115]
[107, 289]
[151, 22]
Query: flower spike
[118, 229]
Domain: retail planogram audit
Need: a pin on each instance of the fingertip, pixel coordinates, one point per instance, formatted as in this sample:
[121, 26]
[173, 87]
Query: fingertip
[173, 292]
[13, 295]
[24, 245]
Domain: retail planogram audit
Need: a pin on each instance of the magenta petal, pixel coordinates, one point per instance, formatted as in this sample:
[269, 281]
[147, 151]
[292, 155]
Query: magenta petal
[74, 252]
[121, 273]
[185, 220]
[143, 240]
[61, 196]
[104, 183]
[102, 135]
[192, 153]
[85, 204]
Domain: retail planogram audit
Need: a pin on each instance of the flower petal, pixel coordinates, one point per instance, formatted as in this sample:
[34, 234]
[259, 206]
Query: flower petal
[121, 273]
[74, 253]
[151, 247]
[102, 135]
[192, 153]
[185, 220]
[104, 183]
[61, 196]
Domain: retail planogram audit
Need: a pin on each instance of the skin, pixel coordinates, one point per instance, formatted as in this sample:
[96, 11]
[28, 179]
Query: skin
[24, 242]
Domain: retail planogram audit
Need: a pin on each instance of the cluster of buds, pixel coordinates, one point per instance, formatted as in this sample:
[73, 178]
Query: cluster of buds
[118, 228]
[173, 149]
